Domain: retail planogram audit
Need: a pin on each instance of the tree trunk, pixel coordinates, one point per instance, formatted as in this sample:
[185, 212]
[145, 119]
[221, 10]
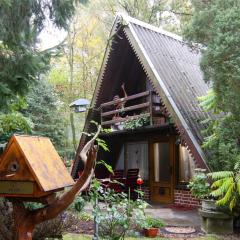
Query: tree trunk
[23, 229]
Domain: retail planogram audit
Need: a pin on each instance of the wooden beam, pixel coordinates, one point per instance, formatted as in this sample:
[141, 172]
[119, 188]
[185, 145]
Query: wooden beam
[127, 109]
[123, 119]
[138, 95]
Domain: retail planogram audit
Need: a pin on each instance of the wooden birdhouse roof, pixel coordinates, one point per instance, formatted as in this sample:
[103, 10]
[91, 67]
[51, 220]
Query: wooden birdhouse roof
[43, 161]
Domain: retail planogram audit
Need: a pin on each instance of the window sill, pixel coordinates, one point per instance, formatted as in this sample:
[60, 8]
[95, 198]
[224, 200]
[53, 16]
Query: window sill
[182, 186]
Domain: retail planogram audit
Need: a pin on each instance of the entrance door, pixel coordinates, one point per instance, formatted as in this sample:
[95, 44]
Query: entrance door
[161, 170]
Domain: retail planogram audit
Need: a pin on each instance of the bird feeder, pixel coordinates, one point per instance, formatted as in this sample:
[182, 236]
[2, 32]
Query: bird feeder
[31, 168]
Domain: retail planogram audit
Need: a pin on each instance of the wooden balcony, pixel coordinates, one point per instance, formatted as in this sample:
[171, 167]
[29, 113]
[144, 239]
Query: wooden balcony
[141, 109]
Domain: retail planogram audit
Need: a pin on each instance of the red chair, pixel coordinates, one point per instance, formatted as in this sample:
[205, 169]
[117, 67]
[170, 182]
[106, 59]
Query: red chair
[131, 181]
[116, 182]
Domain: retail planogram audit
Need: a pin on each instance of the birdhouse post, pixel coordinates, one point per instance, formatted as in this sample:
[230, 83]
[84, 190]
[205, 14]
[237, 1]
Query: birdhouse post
[31, 170]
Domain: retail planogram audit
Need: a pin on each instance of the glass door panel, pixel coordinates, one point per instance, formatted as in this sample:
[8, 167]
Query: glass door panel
[161, 162]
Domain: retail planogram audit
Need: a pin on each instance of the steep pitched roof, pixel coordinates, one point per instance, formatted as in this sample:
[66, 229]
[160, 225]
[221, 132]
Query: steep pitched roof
[173, 69]
[43, 161]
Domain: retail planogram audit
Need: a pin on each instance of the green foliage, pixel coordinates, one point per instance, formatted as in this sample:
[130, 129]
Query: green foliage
[20, 25]
[141, 121]
[86, 217]
[33, 205]
[107, 166]
[153, 223]
[12, 123]
[78, 203]
[221, 135]
[119, 214]
[43, 110]
[226, 189]
[199, 186]
[214, 25]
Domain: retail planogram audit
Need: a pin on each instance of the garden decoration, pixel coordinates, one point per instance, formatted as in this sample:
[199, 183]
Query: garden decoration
[32, 171]
[139, 183]
[152, 226]
[213, 220]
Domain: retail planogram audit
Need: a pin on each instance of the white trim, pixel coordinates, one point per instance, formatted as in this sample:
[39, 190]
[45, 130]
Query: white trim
[129, 19]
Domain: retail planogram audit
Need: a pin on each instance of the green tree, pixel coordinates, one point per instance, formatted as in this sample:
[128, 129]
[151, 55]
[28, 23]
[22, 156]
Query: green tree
[215, 27]
[43, 109]
[74, 74]
[21, 23]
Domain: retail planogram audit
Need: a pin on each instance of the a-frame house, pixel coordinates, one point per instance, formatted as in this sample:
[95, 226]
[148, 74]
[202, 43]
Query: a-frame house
[158, 126]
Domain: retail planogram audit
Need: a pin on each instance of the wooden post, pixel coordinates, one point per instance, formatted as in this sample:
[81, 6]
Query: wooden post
[150, 108]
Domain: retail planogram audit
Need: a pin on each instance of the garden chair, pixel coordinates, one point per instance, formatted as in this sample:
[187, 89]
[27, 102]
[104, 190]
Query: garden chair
[131, 182]
[118, 176]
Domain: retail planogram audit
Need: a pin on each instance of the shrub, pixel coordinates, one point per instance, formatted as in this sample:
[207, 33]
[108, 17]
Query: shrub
[199, 186]
[54, 228]
[119, 213]
[78, 204]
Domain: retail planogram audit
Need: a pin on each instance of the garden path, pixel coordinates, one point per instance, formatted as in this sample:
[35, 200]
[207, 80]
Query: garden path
[170, 215]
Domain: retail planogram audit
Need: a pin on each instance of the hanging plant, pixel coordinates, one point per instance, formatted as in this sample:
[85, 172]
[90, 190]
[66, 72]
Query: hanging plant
[133, 123]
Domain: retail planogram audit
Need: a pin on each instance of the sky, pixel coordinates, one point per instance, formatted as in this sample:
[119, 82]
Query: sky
[51, 36]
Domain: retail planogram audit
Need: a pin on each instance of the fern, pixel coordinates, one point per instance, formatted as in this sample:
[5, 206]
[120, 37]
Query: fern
[227, 197]
[221, 174]
[223, 188]
[217, 183]
[233, 203]
[226, 188]
[238, 186]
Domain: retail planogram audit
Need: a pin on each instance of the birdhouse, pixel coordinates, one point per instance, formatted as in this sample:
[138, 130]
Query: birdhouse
[30, 167]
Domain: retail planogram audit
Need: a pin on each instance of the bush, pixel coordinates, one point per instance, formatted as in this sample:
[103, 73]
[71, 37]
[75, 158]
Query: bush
[119, 213]
[199, 186]
[54, 228]
[78, 203]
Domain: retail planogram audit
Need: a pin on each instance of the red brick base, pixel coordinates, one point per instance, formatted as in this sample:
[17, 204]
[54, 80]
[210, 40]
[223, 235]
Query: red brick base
[184, 198]
[146, 192]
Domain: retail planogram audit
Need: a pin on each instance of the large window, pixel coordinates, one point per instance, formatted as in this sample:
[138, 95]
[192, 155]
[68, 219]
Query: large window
[186, 165]
[137, 157]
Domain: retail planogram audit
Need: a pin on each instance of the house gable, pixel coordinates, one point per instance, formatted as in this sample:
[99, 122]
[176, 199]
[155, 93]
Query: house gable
[172, 69]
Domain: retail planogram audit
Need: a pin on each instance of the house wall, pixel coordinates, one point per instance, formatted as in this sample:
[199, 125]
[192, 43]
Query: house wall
[184, 198]
[181, 198]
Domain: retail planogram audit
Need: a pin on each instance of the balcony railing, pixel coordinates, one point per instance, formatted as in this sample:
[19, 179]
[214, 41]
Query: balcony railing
[145, 104]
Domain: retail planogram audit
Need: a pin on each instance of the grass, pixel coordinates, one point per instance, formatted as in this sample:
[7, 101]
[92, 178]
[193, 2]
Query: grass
[84, 237]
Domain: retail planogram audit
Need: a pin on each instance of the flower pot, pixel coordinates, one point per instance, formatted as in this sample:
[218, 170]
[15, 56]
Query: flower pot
[151, 232]
[209, 205]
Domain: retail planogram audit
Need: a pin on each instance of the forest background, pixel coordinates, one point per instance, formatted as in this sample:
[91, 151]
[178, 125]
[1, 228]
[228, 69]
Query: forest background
[37, 85]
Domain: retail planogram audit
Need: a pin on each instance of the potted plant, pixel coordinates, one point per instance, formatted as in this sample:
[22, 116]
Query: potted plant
[134, 123]
[151, 226]
[200, 189]
[213, 219]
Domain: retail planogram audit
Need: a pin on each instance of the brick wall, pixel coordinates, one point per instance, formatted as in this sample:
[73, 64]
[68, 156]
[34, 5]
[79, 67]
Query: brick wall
[146, 191]
[184, 198]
